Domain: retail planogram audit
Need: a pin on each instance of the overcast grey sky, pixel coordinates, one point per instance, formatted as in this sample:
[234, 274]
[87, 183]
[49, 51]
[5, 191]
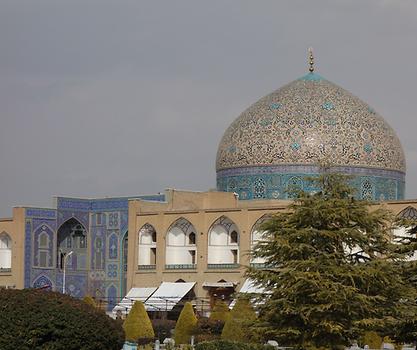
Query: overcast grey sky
[109, 98]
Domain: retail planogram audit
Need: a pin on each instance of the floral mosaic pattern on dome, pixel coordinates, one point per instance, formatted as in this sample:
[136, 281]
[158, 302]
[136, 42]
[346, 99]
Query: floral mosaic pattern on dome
[310, 121]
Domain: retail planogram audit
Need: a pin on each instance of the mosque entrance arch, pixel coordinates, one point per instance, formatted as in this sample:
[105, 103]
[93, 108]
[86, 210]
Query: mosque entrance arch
[72, 239]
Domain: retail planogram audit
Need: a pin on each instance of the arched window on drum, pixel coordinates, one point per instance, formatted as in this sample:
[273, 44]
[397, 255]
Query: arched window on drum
[147, 247]
[223, 244]
[256, 236]
[367, 190]
[181, 249]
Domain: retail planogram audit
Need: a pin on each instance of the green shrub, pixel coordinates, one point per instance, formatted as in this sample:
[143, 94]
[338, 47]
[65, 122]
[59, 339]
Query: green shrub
[163, 328]
[186, 325]
[89, 300]
[38, 319]
[372, 339]
[138, 326]
[220, 312]
[230, 345]
[237, 327]
[208, 330]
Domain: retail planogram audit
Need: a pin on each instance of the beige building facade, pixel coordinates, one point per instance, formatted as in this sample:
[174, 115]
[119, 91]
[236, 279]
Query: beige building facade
[215, 275]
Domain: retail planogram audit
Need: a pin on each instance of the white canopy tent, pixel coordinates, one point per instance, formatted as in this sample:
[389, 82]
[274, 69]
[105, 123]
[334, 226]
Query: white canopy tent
[168, 295]
[134, 294]
[249, 287]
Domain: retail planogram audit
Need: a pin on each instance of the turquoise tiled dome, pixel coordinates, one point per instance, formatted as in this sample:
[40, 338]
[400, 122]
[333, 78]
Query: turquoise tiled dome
[286, 135]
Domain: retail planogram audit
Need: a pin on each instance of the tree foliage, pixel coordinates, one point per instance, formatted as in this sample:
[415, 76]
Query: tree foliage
[333, 270]
[220, 312]
[137, 325]
[208, 330]
[36, 319]
[186, 325]
[237, 327]
[231, 345]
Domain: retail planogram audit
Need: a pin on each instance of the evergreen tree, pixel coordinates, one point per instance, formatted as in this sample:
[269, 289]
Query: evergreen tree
[186, 325]
[137, 325]
[333, 270]
[241, 317]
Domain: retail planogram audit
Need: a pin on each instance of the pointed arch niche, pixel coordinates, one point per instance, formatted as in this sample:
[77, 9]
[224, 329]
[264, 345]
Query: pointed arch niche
[72, 236]
[404, 232]
[256, 236]
[5, 252]
[223, 244]
[147, 247]
[181, 249]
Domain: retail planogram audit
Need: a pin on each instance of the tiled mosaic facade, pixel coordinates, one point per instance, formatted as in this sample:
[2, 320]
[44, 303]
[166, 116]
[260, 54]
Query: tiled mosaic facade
[284, 136]
[100, 269]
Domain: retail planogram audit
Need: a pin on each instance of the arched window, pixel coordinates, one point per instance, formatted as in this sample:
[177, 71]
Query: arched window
[367, 190]
[294, 184]
[259, 188]
[409, 213]
[223, 243]
[113, 246]
[5, 251]
[42, 246]
[147, 247]
[72, 237]
[43, 240]
[256, 236]
[181, 245]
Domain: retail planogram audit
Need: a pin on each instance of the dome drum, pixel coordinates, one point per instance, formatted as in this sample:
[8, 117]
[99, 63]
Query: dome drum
[273, 183]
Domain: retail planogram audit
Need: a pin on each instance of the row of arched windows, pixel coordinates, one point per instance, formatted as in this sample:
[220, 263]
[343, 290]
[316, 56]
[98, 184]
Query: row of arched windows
[181, 248]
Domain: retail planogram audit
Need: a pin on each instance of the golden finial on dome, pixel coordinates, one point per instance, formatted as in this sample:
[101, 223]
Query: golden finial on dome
[311, 58]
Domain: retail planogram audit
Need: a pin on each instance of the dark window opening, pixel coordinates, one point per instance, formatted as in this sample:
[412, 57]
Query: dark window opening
[191, 238]
[233, 237]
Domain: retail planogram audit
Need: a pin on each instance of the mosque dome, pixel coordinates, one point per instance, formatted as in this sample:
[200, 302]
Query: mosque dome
[289, 134]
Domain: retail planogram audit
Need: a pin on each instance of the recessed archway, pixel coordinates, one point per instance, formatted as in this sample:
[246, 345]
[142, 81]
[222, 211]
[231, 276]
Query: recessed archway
[223, 243]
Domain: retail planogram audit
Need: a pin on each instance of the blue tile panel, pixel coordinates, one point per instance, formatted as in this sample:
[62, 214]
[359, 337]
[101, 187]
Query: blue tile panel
[102, 274]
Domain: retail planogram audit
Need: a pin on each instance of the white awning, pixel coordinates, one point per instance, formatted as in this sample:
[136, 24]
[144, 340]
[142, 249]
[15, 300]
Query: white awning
[219, 284]
[168, 295]
[250, 286]
[134, 294]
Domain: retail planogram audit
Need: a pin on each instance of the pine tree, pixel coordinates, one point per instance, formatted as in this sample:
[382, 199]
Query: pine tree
[137, 324]
[237, 326]
[333, 271]
[186, 324]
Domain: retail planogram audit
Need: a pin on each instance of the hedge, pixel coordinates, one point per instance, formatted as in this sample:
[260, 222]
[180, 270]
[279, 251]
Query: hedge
[39, 319]
[230, 345]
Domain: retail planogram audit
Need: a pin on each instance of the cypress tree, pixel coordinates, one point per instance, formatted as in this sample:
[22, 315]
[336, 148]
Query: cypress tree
[333, 270]
[237, 326]
[186, 325]
[137, 324]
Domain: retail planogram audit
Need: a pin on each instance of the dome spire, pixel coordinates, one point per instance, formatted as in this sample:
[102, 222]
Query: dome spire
[311, 59]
